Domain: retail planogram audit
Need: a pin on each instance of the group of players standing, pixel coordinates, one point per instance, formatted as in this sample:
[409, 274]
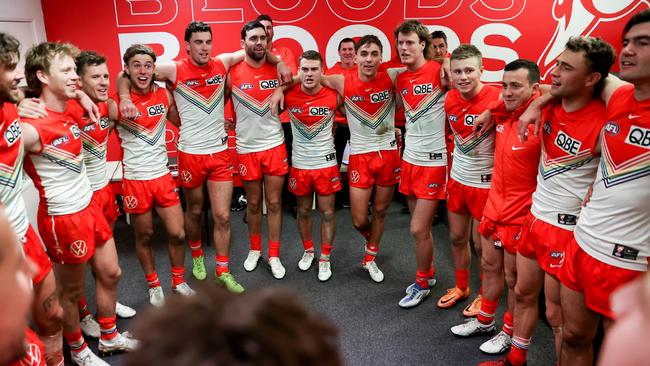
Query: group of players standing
[541, 205]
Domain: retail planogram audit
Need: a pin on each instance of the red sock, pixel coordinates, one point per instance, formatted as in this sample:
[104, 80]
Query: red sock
[366, 234]
[256, 241]
[222, 264]
[480, 278]
[178, 276]
[371, 252]
[488, 308]
[83, 308]
[508, 325]
[308, 245]
[195, 248]
[432, 270]
[75, 341]
[107, 327]
[274, 249]
[422, 279]
[152, 279]
[462, 279]
[325, 250]
[518, 351]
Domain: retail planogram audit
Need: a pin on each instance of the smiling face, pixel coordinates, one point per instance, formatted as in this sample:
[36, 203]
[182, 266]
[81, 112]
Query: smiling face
[346, 53]
[466, 76]
[140, 69]
[10, 76]
[94, 82]
[62, 77]
[635, 55]
[368, 58]
[199, 47]
[410, 48]
[516, 88]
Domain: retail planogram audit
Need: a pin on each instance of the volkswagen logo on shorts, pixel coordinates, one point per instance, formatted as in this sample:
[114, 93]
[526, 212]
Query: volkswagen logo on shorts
[242, 170]
[186, 176]
[292, 183]
[79, 248]
[32, 357]
[354, 176]
[130, 202]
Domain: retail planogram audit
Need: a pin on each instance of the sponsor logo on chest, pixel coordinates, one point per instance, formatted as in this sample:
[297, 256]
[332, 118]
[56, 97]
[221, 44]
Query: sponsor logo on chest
[319, 111]
[13, 132]
[215, 80]
[269, 84]
[638, 136]
[420, 89]
[567, 143]
[156, 110]
[469, 119]
[379, 97]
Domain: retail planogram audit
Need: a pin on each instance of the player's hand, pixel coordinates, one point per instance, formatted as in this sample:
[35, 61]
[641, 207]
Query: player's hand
[32, 108]
[277, 101]
[482, 122]
[532, 115]
[89, 106]
[284, 73]
[398, 136]
[128, 109]
[229, 125]
[588, 196]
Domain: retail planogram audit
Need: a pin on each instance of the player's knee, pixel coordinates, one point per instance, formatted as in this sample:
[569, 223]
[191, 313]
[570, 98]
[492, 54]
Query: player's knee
[221, 219]
[524, 295]
[554, 314]
[303, 212]
[457, 239]
[177, 237]
[327, 215]
[490, 266]
[574, 337]
[379, 212]
[511, 279]
[420, 233]
[110, 276]
[254, 206]
[194, 212]
[143, 237]
[274, 204]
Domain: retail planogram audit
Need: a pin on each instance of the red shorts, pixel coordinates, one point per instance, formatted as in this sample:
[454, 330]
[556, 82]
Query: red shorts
[34, 250]
[463, 200]
[504, 236]
[423, 182]
[71, 239]
[252, 166]
[545, 242]
[381, 168]
[324, 181]
[141, 195]
[195, 169]
[595, 279]
[105, 200]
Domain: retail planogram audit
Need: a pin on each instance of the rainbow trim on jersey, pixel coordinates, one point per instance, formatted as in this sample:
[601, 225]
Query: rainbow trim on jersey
[465, 145]
[552, 167]
[9, 174]
[309, 132]
[93, 147]
[63, 158]
[370, 120]
[414, 113]
[152, 136]
[614, 174]
[259, 108]
[198, 100]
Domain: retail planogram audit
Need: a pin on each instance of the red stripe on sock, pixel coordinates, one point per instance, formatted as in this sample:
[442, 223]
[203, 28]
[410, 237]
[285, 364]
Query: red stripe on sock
[178, 276]
[274, 249]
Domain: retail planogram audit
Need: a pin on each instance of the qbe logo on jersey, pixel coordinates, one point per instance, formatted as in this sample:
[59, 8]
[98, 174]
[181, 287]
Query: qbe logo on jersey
[567, 143]
[156, 110]
[319, 111]
[380, 97]
[13, 132]
[469, 119]
[269, 84]
[639, 136]
[421, 89]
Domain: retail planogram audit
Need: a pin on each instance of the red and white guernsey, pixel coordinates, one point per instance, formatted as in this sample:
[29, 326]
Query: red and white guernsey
[94, 136]
[568, 164]
[143, 139]
[11, 168]
[473, 153]
[199, 96]
[58, 169]
[424, 101]
[312, 119]
[370, 109]
[251, 87]
[337, 69]
[614, 227]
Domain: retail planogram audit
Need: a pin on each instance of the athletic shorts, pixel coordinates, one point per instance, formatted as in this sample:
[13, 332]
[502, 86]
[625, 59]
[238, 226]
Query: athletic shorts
[195, 169]
[252, 166]
[595, 279]
[34, 250]
[140, 196]
[324, 181]
[545, 242]
[71, 239]
[504, 236]
[423, 182]
[105, 200]
[463, 200]
[378, 167]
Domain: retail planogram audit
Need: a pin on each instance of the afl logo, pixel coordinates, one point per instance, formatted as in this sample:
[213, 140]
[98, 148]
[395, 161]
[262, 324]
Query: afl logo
[186, 176]
[130, 202]
[354, 176]
[242, 170]
[292, 183]
[79, 248]
[612, 128]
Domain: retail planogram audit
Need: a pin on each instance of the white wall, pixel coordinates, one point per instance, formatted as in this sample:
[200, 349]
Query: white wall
[24, 20]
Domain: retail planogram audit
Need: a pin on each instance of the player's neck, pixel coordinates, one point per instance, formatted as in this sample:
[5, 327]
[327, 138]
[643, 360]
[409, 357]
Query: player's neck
[417, 64]
[642, 91]
[574, 103]
[473, 93]
[366, 78]
[53, 101]
[347, 65]
[196, 63]
[254, 63]
[311, 91]
[140, 91]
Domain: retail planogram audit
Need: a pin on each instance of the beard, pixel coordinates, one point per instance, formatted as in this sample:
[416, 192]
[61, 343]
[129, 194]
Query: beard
[250, 52]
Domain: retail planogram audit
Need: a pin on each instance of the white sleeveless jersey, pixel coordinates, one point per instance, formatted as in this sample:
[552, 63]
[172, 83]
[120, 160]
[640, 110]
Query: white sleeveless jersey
[143, 139]
[568, 164]
[199, 96]
[614, 227]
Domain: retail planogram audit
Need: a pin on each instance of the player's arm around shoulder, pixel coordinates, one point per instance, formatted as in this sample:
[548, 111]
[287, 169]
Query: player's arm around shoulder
[334, 81]
[31, 139]
[172, 113]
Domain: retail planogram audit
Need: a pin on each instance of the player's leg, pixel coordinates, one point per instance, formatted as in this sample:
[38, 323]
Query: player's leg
[554, 309]
[253, 189]
[304, 221]
[327, 228]
[195, 198]
[172, 218]
[48, 316]
[580, 327]
[273, 197]
[143, 226]
[459, 232]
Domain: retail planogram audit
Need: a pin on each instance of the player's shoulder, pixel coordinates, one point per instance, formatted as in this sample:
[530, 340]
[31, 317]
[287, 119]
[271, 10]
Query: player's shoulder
[621, 97]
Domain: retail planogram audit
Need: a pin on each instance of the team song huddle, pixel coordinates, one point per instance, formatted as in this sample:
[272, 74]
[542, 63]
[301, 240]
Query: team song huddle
[551, 183]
